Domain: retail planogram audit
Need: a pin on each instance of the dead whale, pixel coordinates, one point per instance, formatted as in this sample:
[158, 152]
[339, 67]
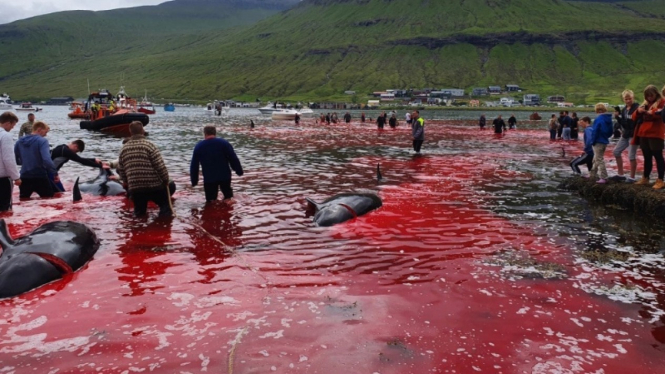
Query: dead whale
[343, 207]
[103, 185]
[48, 253]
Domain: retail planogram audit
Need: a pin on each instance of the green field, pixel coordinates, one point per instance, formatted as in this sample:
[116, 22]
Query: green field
[587, 51]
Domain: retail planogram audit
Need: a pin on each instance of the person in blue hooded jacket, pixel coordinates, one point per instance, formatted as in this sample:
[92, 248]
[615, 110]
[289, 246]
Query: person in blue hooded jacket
[36, 164]
[587, 155]
[215, 155]
[602, 131]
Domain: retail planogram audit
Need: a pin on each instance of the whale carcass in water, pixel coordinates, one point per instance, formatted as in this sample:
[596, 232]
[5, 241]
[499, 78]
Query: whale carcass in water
[47, 254]
[103, 185]
[343, 207]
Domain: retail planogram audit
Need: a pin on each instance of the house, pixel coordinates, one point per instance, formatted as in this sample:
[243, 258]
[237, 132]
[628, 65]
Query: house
[531, 100]
[556, 99]
[454, 92]
[474, 103]
[387, 96]
[513, 88]
[373, 103]
[349, 92]
[565, 105]
[480, 92]
[441, 94]
[494, 90]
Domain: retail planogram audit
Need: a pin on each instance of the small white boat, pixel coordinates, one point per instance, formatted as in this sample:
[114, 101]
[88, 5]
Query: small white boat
[27, 107]
[5, 102]
[305, 111]
[284, 115]
[270, 108]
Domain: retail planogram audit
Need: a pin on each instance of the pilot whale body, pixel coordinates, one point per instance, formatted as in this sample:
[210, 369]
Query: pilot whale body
[102, 185]
[47, 254]
[343, 207]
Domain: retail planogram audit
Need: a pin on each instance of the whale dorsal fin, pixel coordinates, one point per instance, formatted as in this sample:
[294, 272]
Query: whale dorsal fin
[77, 191]
[378, 172]
[312, 204]
[6, 240]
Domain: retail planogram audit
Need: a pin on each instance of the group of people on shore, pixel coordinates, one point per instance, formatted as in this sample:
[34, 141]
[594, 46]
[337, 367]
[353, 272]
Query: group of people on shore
[640, 125]
[140, 165]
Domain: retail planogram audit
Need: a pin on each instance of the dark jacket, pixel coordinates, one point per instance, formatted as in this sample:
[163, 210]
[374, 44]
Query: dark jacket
[418, 129]
[499, 125]
[482, 121]
[625, 119]
[588, 139]
[602, 129]
[141, 166]
[215, 155]
[61, 154]
[33, 151]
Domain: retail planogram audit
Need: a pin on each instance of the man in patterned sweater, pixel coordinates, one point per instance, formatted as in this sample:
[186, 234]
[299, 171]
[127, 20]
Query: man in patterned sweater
[142, 168]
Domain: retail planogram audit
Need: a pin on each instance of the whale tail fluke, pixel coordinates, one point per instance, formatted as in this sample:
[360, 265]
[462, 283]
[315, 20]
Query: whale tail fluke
[6, 240]
[77, 191]
[378, 172]
[311, 204]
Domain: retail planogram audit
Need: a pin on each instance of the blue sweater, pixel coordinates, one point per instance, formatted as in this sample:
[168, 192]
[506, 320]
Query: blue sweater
[588, 141]
[215, 155]
[35, 156]
[602, 129]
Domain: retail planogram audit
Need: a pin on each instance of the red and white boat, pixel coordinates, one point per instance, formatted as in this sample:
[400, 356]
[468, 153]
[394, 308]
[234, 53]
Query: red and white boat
[146, 106]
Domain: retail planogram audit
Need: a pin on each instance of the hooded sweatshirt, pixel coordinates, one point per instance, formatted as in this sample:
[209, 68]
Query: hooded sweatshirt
[602, 129]
[35, 156]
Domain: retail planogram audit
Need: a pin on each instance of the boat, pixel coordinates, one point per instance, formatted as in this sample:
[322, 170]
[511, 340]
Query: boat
[284, 115]
[146, 106]
[169, 107]
[117, 123]
[268, 109]
[109, 116]
[27, 107]
[217, 108]
[5, 102]
[78, 111]
[305, 111]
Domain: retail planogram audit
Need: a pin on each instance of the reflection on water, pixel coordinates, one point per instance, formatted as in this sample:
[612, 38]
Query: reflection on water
[446, 277]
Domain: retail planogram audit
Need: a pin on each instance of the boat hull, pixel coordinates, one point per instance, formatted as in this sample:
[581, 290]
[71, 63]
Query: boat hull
[117, 124]
[146, 111]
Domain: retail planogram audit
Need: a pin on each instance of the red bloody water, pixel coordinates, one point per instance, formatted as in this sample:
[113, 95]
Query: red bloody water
[427, 283]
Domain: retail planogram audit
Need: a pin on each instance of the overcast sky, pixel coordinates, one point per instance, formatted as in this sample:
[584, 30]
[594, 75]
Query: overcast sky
[12, 10]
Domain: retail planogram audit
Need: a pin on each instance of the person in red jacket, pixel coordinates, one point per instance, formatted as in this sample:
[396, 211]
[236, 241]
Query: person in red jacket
[650, 134]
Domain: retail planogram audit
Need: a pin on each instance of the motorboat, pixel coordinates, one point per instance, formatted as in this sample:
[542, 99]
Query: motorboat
[284, 115]
[216, 108]
[145, 106]
[27, 107]
[169, 107]
[110, 116]
[305, 111]
[5, 102]
[78, 111]
[268, 109]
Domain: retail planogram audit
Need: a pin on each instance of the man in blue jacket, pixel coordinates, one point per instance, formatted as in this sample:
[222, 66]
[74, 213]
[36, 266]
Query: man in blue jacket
[35, 155]
[602, 131]
[215, 155]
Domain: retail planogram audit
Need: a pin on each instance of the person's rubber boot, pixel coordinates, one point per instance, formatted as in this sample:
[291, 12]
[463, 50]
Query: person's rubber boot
[643, 181]
[659, 184]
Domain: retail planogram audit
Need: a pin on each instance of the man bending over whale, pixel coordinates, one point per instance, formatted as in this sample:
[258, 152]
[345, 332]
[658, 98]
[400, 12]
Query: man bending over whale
[68, 152]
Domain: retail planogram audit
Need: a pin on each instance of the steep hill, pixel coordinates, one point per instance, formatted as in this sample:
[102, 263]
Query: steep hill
[320, 48]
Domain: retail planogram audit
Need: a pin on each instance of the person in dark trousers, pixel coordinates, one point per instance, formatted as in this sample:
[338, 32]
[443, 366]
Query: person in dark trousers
[362, 117]
[417, 131]
[36, 163]
[574, 127]
[499, 125]
[145, 176]
[512, 122]
[482, 122]
[8, 171]
[328, 119]
[587, 155]
[392, 122]
[347, 117]
[297, 118]
[216, 157]
[68, 152]
[381, 120]
[552, 126]
[624, 118]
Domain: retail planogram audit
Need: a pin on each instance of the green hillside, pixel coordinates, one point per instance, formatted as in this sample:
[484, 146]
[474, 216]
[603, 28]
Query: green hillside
[585, 50]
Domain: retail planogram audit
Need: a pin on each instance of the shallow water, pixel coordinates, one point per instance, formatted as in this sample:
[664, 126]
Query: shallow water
[475, 262]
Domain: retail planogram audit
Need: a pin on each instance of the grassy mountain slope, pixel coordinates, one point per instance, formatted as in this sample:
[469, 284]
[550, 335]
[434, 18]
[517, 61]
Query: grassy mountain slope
[320, 48]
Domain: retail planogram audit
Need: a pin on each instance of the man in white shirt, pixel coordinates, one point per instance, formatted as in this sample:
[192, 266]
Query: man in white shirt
[8, 169]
